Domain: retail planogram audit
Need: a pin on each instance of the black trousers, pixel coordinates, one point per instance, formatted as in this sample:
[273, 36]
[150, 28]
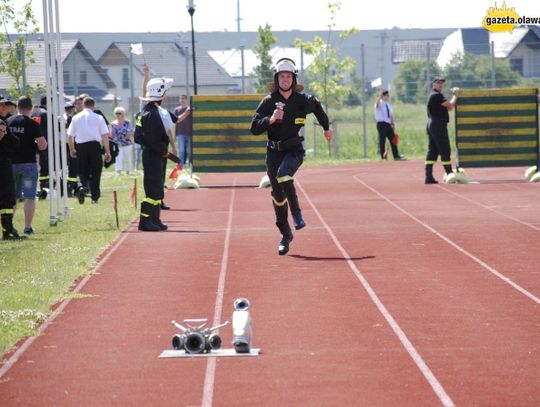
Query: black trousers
[153, 174]
[90, 165]
[439, 142]
[386, 132]
[7, 186]
[281, 167]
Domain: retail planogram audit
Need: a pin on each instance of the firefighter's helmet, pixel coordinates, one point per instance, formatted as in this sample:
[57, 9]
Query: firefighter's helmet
[156, 88]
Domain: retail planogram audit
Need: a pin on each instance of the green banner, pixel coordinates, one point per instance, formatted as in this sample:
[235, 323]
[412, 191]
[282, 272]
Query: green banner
[497, 127]
[222, 141]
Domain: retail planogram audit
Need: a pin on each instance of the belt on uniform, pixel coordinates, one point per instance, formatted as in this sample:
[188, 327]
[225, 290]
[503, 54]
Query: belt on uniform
[283, 145]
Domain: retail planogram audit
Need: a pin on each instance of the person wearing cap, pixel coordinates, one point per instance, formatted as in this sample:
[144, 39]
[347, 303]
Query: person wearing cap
[282, 114]
[25, 168]
[154, 138]
[86, 133]
[4, 109]
[437, 128]
[9, 144]
[384, 116]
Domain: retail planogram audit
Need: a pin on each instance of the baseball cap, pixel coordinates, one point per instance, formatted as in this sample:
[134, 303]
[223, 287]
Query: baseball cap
[439, 79]
[68, 105]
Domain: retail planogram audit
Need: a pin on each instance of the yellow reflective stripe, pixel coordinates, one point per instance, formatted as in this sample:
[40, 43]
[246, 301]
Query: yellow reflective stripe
[144, 215]
[446, 162]
[43, 178]
[430, 162]
[151, 201]
[138, 121]
[279, 203]
[72, 179]
[285, 178]
[300, 120]
[7, 211]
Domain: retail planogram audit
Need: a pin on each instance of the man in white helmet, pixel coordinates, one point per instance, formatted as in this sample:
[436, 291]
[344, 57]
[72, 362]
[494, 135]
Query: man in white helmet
[152, 134]
[282, 114]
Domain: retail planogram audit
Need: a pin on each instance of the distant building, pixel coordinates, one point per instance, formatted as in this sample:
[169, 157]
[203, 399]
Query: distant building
[521, 47]
[82, 73]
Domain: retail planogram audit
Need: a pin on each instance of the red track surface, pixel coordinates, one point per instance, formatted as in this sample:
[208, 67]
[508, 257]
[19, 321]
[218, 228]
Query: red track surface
[396, 293]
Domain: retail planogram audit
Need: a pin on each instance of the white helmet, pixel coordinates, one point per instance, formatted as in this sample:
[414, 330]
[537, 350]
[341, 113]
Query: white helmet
[156, 88]
[286, 65]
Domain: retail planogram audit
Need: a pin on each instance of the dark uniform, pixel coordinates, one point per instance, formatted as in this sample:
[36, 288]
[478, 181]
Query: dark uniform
[8, 145]
[285, 152]
[150, 131]
[40, 117]
[439, 142]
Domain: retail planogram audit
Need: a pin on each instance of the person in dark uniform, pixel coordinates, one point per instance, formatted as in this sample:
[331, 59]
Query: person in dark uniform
[8, 145]
[153, 137]
[39, 115]
[25, 167]
[282, 114]
[437, 128]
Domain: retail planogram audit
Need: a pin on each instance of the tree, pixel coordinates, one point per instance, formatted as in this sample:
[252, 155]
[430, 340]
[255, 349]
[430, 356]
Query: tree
[13, 54]
[411, 85]
[469, 71]
[327, 71]
[263, 72]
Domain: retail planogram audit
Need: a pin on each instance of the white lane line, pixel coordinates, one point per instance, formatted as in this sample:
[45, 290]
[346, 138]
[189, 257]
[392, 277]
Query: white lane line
[28, 342]
[454, 245]
[208, 389]
[426, 371]
[491, 209]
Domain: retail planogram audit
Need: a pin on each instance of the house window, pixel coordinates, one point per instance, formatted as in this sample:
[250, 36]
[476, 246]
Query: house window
[83, 77]
[67, 78]
[125, 78]
[516, 65]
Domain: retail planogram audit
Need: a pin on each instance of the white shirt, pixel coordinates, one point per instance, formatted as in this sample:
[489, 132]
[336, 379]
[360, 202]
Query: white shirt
[383, 112]
[87, 126]
[166, 119]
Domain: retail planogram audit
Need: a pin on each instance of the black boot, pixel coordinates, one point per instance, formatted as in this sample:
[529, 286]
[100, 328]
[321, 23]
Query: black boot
[286, 238]
[155, 218]
[145, 221]
[292, 199]
[8, 231]
[429, 175]
[448, 168]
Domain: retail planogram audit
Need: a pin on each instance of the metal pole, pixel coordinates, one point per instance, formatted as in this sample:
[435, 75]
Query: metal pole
[493, 79]
[60, 110]
[191, 11]
[131, 89]
[50, 155]
[428, 70]
[364, 100]
[186, 54]
[243, 70]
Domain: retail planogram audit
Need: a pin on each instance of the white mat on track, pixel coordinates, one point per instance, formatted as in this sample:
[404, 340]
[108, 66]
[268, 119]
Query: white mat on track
[214, 353]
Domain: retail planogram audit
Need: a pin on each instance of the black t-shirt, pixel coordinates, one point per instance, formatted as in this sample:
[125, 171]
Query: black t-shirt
[27, 131]
[435, 109]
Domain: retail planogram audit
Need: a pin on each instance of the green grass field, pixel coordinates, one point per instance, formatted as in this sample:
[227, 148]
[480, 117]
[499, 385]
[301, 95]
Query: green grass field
[39, 272]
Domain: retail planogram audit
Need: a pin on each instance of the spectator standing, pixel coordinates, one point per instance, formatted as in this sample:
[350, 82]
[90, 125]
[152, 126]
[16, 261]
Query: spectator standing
[437, 128]
[8, 145]
[183, 131]
[384, 116]
[25, 167]
[85, 134]
[122, 135]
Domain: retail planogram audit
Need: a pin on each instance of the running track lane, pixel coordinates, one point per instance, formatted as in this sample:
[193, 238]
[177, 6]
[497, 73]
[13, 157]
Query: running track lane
[324, 341]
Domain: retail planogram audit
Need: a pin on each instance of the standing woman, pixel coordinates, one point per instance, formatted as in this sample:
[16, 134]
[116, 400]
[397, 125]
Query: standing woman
[122, 135]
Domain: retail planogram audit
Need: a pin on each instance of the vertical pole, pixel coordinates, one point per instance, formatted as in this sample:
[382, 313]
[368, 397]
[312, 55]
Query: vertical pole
[364, 100]
[243, 69]
[428, 67]
[186, 55]
[60, 111]
[131, 89]
[493, 79]
[191, 11]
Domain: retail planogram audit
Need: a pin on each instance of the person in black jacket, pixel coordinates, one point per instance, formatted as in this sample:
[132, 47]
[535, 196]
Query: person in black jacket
[8, 145]
[282, 114]
[154, 139]
[437, 129]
